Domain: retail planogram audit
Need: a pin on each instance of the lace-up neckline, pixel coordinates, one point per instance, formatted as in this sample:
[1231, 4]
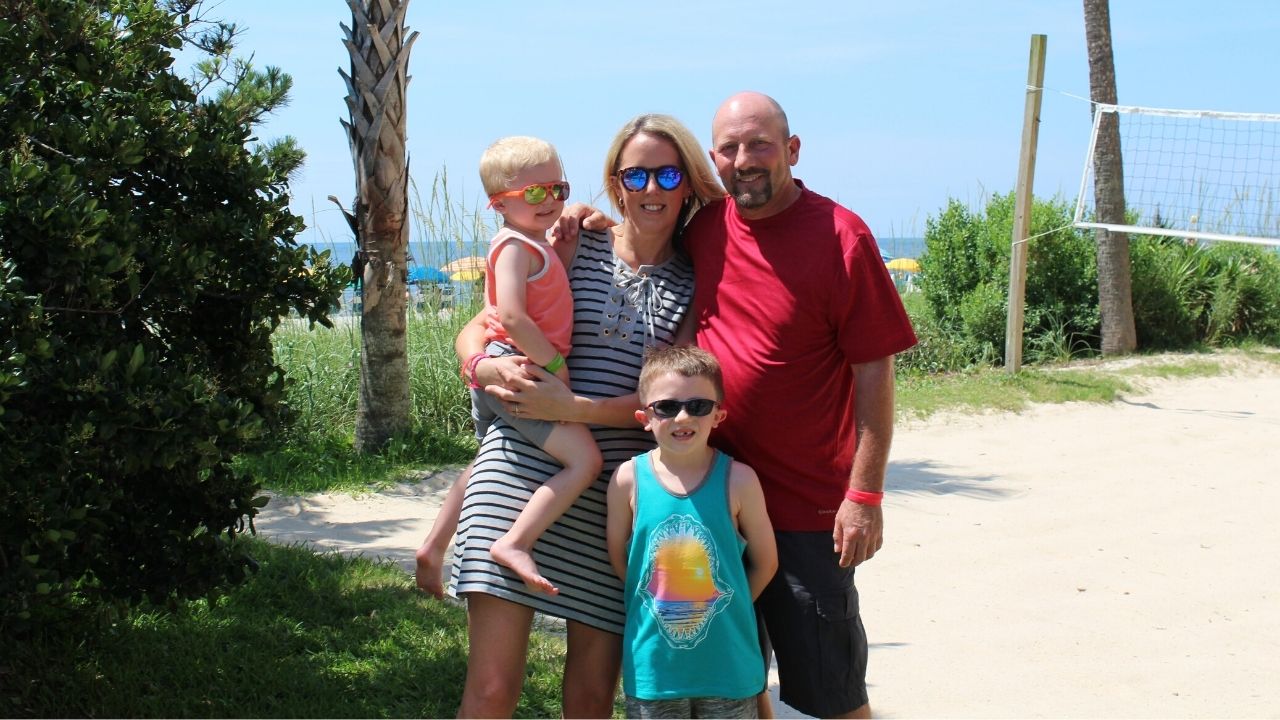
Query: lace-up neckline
[634, 301]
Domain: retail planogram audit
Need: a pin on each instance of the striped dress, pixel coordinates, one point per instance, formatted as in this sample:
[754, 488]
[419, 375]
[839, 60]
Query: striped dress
[617, 312]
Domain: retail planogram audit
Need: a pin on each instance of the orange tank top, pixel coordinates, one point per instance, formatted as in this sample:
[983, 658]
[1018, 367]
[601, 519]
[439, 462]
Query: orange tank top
[548, 299]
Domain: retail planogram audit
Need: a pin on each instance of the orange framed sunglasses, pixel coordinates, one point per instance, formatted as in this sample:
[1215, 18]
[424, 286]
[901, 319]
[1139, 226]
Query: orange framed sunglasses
[537, 193]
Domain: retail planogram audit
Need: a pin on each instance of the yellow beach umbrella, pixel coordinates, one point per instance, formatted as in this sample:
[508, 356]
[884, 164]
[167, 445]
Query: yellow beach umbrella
[903, 264]
[466, 264]
[467, 275]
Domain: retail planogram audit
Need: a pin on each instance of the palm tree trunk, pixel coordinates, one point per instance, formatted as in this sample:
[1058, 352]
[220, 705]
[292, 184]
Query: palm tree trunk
[1115, 286]
[376, 132]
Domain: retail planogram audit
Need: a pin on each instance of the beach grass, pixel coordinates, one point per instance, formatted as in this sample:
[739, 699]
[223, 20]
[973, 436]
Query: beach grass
[316, 453]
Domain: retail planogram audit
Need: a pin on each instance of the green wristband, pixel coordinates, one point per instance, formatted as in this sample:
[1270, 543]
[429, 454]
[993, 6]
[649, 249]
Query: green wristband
[556, 363]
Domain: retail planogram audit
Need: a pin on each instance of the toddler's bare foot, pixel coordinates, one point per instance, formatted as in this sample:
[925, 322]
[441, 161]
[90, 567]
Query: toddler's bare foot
[429, 570]
[521, 561]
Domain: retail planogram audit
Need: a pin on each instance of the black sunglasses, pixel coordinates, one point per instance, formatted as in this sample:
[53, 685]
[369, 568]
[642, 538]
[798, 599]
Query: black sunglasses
[696, 407]
[635, 179]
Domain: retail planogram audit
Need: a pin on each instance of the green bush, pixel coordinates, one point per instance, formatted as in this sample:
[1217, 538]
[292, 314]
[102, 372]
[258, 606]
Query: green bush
[984, 315]
[939, 349]
[1188, 293]
[147, 255]
[958, 256]
[965, 273]
[1162, 316]
[1246, 295]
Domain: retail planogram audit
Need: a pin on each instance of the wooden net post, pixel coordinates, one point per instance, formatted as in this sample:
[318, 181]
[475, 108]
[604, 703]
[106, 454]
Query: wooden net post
[1022, 206]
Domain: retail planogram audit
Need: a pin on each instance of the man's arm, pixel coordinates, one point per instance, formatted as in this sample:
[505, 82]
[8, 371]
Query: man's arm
[859, 528]
[687, 332]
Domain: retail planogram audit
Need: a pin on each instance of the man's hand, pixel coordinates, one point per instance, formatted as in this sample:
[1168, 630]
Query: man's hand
[597, 220]
[579, 216]
[859, 532]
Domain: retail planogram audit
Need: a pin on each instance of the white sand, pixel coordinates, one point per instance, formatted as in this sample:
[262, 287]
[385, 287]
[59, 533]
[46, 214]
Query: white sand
[1071, 560]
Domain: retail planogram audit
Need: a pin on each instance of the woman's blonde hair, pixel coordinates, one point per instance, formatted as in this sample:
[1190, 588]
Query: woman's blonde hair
[509, 156]
[694, 162]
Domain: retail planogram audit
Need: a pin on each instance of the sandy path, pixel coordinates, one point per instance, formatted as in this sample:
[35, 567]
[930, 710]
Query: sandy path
[1069, 561]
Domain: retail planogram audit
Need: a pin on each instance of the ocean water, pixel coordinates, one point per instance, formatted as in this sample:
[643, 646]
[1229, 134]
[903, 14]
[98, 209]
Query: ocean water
[435, 255]
[438, 254]
[426, 254]
[901, 247]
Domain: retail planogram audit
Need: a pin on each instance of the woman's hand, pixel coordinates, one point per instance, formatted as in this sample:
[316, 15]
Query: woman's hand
[503, 371]
[534, 393]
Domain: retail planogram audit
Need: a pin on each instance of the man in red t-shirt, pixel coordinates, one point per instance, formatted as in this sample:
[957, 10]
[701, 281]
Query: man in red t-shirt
[793, 298]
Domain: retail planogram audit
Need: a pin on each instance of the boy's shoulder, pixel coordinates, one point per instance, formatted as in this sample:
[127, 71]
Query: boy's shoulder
[736, 466]
[741, 474]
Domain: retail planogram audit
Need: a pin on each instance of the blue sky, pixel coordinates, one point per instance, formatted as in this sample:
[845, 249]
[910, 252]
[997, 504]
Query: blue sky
[899, 106]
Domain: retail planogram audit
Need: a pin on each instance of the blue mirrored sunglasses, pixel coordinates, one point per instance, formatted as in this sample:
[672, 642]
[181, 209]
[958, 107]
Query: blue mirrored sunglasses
[635, 179]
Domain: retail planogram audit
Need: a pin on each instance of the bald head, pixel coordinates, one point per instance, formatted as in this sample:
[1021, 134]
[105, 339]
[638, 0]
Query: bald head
[753, 104]
[753, 151]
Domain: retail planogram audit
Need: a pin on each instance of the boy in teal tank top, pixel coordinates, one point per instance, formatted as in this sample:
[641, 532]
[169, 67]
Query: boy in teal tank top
[679, 519]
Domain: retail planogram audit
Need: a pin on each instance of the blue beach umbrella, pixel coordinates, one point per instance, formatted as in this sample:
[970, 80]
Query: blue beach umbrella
[423, 273]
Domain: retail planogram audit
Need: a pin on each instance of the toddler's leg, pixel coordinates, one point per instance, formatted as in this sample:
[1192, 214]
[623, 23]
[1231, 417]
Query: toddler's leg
[573, 447]
[429, 570]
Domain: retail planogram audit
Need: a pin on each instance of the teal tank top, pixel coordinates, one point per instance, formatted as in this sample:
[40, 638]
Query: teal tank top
[691, 628]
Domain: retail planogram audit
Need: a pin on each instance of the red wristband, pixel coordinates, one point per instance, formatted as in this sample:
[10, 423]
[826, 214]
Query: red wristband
[469, 370]
[862, 497]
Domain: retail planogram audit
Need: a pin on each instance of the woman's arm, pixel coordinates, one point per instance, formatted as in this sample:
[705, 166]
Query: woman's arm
[470, 338]
[539, 395]
[492, 371]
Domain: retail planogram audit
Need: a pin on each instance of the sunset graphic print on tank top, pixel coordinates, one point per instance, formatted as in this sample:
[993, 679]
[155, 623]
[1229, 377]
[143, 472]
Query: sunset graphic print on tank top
[682, 587]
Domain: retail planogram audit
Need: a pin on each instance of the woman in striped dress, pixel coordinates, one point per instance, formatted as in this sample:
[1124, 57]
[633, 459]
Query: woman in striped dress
[631, 289]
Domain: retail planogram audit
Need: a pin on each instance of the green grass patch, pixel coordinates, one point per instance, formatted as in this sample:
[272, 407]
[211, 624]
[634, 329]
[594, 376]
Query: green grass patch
[920, 396]
[1261, 353]
[307, 636]
[1189, 368]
